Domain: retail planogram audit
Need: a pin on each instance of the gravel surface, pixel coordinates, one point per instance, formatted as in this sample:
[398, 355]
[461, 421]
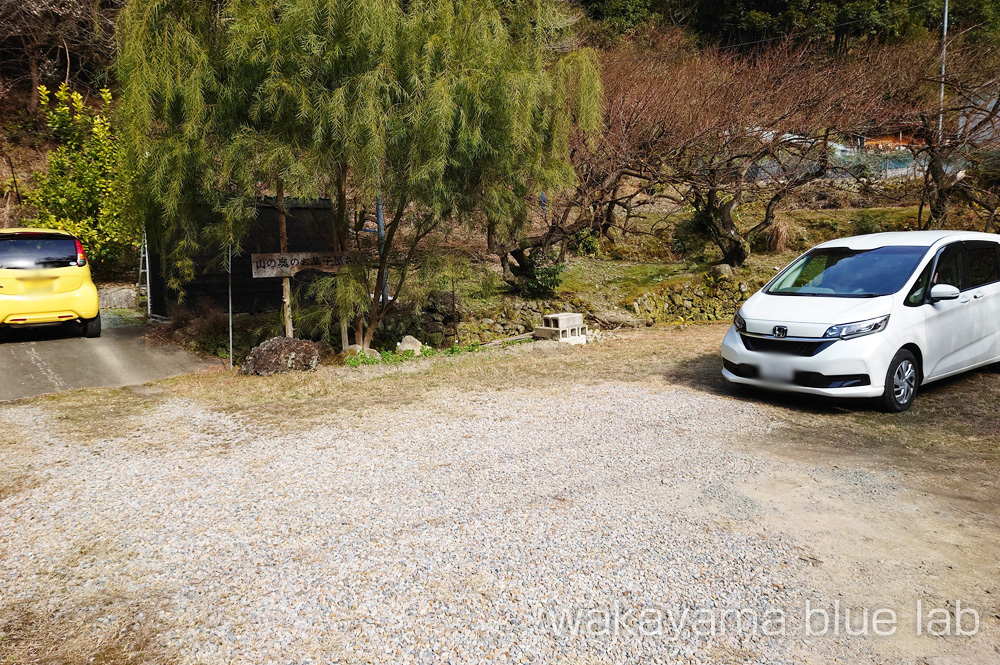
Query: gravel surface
[456, 531]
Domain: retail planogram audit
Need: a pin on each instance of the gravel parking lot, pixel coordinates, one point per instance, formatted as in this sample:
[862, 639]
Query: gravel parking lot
[422, 539]
[467, 527]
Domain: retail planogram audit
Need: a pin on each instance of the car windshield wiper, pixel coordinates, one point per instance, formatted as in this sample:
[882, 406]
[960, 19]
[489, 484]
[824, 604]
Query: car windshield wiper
[800, 293]
[827, 295]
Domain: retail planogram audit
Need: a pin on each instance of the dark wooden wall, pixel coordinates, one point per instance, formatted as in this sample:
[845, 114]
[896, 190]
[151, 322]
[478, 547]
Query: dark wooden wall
[309, 225]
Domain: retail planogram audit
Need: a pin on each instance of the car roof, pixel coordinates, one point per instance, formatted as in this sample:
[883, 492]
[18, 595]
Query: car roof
[908, 238]
[25, 229]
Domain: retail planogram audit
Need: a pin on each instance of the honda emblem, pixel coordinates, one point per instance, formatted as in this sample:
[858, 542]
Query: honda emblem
[780, 331]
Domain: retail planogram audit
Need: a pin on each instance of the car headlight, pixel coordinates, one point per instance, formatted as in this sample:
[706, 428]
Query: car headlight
[741, 325]
[858, 329]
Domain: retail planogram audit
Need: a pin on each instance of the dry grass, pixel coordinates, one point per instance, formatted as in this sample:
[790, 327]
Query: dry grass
[33, 637]
[14, 482]
[778, 236]
[87, 415]
[953, 427]
[956, 416]
[300, 401]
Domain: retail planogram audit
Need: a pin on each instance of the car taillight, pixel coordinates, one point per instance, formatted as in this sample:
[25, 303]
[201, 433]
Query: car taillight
[81, 258]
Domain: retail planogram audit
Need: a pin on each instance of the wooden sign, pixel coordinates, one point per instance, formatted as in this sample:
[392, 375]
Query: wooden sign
[286, 264]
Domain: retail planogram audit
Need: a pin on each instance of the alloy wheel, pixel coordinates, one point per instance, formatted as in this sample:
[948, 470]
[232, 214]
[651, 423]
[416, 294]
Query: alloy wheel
[904, 382]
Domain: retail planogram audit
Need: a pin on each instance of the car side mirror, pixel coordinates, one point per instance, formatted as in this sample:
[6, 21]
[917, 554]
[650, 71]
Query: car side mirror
[944, 292]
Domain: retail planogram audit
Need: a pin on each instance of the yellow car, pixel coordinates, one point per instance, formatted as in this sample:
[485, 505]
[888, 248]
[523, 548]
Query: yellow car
[45, 280]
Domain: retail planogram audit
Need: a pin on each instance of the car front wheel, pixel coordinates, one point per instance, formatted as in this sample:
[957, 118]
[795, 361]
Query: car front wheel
[901, 382]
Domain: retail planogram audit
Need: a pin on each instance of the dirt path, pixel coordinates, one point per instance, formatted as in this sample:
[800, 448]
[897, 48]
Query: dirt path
[874, 535]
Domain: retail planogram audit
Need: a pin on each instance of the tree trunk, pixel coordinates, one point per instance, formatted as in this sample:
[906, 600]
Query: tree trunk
[382, 276]
[359, 332]
[286, 282]
[735, 249]
[36, 80]
[938, 208]
[719, 218]
[940, 188]
[340, 214]
[609, 213]
[344, 342]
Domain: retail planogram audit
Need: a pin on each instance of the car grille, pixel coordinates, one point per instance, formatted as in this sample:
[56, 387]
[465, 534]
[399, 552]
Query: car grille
[788, 347]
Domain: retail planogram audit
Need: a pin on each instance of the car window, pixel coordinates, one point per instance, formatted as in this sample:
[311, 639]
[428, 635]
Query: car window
[37, 251]
[918, 293]
[983, 265]
[950, 266]
[842, 272]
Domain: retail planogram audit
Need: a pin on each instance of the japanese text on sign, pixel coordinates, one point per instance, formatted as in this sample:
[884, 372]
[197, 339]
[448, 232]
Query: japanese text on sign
[288, 263]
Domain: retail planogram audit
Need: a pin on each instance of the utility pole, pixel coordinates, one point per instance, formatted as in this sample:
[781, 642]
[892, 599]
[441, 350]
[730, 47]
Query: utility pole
[944, 53]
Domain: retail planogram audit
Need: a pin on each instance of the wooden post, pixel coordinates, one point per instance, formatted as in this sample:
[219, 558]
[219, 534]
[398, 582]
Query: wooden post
[344, 343]
[286, 282]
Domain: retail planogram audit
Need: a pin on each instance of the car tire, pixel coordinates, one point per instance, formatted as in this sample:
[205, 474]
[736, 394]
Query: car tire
[92, 327]
[901, 382]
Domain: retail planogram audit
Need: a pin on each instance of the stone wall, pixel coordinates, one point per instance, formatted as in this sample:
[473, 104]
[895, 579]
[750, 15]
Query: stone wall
[508, 316]
[711, 299]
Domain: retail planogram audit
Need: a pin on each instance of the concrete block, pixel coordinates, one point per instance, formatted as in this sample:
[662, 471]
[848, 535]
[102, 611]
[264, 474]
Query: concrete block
[563, 320]
[566, 327]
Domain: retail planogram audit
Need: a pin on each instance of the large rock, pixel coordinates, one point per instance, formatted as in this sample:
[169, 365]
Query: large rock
[117, 296]
[409, 343]
[282, 354]
[356, 350]
[722, 270]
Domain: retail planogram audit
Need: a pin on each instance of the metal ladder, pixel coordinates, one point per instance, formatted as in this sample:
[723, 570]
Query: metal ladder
[142, 285]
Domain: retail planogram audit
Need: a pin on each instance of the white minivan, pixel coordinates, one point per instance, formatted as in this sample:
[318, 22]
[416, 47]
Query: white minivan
[872, 316]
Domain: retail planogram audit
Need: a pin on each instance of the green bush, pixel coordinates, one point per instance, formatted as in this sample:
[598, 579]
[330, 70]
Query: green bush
[361, 359]
[542, 275]
[867, 222]
[587, 243]
[490, 284]
[83, 189]
[392, 358]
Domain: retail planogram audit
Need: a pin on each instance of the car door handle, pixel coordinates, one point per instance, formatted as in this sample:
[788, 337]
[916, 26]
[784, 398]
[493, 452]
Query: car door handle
[977, 296]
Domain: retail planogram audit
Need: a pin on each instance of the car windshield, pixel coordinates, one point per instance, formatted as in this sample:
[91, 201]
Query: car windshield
[37, 251]
[849, 273]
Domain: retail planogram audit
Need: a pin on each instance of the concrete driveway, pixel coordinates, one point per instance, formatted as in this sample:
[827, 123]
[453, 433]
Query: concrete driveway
[45, 360]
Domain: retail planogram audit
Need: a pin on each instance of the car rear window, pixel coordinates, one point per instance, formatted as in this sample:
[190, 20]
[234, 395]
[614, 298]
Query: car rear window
[37, 250]
[984, 263]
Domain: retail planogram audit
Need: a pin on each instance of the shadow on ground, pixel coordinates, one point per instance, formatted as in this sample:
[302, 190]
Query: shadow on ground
[704, 373]
[957, 393]
[40, 334]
